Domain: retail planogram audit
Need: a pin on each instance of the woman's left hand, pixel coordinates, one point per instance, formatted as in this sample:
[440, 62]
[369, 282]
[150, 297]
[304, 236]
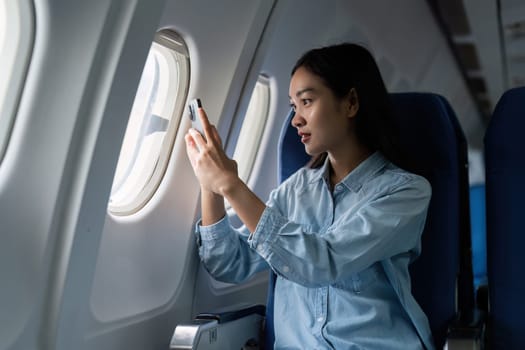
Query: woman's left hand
[214, 170]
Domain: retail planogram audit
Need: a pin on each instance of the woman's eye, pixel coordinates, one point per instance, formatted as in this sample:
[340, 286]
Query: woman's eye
[306, 101]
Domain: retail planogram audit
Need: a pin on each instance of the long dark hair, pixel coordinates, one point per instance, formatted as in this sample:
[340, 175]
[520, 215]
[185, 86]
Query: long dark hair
[346, 66]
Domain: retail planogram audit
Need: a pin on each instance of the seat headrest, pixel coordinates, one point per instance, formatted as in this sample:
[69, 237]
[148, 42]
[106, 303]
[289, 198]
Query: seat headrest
[291, 153]
[426, 133]
[506, 129]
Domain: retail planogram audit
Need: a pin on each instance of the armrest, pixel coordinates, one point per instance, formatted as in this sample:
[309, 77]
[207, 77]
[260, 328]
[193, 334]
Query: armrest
[467, 332]
[227, 328]
[229, 314]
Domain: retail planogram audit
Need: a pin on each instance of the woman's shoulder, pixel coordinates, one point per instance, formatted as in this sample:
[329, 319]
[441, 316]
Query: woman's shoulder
[393, 177]
[293, 187]
[302, 178]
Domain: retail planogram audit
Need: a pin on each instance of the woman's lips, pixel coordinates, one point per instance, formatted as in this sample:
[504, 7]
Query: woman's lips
[304, 137]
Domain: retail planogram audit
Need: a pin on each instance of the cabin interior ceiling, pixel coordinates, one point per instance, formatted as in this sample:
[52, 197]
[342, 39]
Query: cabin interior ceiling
[487, 38]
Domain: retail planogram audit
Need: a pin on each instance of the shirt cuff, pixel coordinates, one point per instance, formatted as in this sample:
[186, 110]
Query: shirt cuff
[266, 232]
[213, 231]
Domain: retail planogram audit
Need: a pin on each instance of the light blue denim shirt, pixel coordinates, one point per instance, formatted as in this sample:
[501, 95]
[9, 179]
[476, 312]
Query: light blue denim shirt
[341, 257]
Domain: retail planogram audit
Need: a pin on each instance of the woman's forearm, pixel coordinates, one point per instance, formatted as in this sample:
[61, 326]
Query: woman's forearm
[212, 206]
[246, 204]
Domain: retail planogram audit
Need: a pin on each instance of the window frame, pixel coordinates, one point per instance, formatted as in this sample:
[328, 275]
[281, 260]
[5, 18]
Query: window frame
[169, 40]
[246, 165]
[15, 55]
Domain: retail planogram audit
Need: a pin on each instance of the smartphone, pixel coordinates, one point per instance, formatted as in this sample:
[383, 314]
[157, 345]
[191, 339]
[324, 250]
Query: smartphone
[194, 105]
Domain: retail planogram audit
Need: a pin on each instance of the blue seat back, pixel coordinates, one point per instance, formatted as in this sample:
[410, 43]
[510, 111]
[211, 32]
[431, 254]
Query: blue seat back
[505, 195]
[433, 142]
[291, 154]
[432, 139]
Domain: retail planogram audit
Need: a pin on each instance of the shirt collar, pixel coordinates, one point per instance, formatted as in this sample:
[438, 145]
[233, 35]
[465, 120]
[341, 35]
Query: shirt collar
[355, 179]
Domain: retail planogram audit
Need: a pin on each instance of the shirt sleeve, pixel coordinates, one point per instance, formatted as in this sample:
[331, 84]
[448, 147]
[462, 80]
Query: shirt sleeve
[388, 225]
[225, 252]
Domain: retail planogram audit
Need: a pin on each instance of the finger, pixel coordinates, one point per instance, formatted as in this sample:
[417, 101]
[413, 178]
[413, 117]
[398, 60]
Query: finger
[190, 143]
[206, 125]
[191, 147]
[197, 139]
[216, 135]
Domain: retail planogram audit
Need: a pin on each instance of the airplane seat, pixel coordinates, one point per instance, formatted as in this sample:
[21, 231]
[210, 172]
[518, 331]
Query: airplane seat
[432, 139]
[505, 192]
[428, 140]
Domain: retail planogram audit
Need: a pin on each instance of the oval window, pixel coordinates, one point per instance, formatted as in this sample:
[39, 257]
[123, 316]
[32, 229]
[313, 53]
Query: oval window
[16, 40]
[252, 128]
[153, 123]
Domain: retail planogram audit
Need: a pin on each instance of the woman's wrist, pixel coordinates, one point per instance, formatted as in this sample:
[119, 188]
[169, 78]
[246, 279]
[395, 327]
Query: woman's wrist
[210, 194]
[212, 206]
[231, 186]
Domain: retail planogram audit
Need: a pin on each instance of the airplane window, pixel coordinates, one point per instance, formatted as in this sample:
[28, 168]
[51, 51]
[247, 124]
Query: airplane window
[252, 128]
[152, 125]
[16, 19]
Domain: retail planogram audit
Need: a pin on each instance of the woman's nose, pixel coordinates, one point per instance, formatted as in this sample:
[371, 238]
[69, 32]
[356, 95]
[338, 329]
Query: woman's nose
[297, 120]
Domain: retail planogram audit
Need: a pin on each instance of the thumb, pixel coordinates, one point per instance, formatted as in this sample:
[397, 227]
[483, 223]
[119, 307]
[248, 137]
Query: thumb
[192, 150]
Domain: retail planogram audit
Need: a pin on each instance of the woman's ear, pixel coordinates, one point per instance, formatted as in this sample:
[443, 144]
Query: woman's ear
[353, 101]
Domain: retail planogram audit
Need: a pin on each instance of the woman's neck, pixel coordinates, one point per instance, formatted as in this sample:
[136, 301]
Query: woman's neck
[341, 166]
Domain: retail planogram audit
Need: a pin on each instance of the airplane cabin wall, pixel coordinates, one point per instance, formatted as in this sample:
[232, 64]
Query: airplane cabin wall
[58, 167]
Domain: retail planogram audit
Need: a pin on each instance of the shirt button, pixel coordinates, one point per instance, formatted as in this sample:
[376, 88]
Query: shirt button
[320, 319]
[286, 269]
[259, 248]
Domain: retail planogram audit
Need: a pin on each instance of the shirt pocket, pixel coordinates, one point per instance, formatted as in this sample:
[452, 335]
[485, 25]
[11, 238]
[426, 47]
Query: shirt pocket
[361, 281]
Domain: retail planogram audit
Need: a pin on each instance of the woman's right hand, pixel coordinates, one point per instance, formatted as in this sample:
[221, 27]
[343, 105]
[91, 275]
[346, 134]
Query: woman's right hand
[212, 167]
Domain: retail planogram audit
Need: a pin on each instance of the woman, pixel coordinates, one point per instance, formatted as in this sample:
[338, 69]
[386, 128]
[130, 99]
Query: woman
[340, 232]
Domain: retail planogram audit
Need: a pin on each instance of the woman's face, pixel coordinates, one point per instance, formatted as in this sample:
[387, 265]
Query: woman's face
[323, 121]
